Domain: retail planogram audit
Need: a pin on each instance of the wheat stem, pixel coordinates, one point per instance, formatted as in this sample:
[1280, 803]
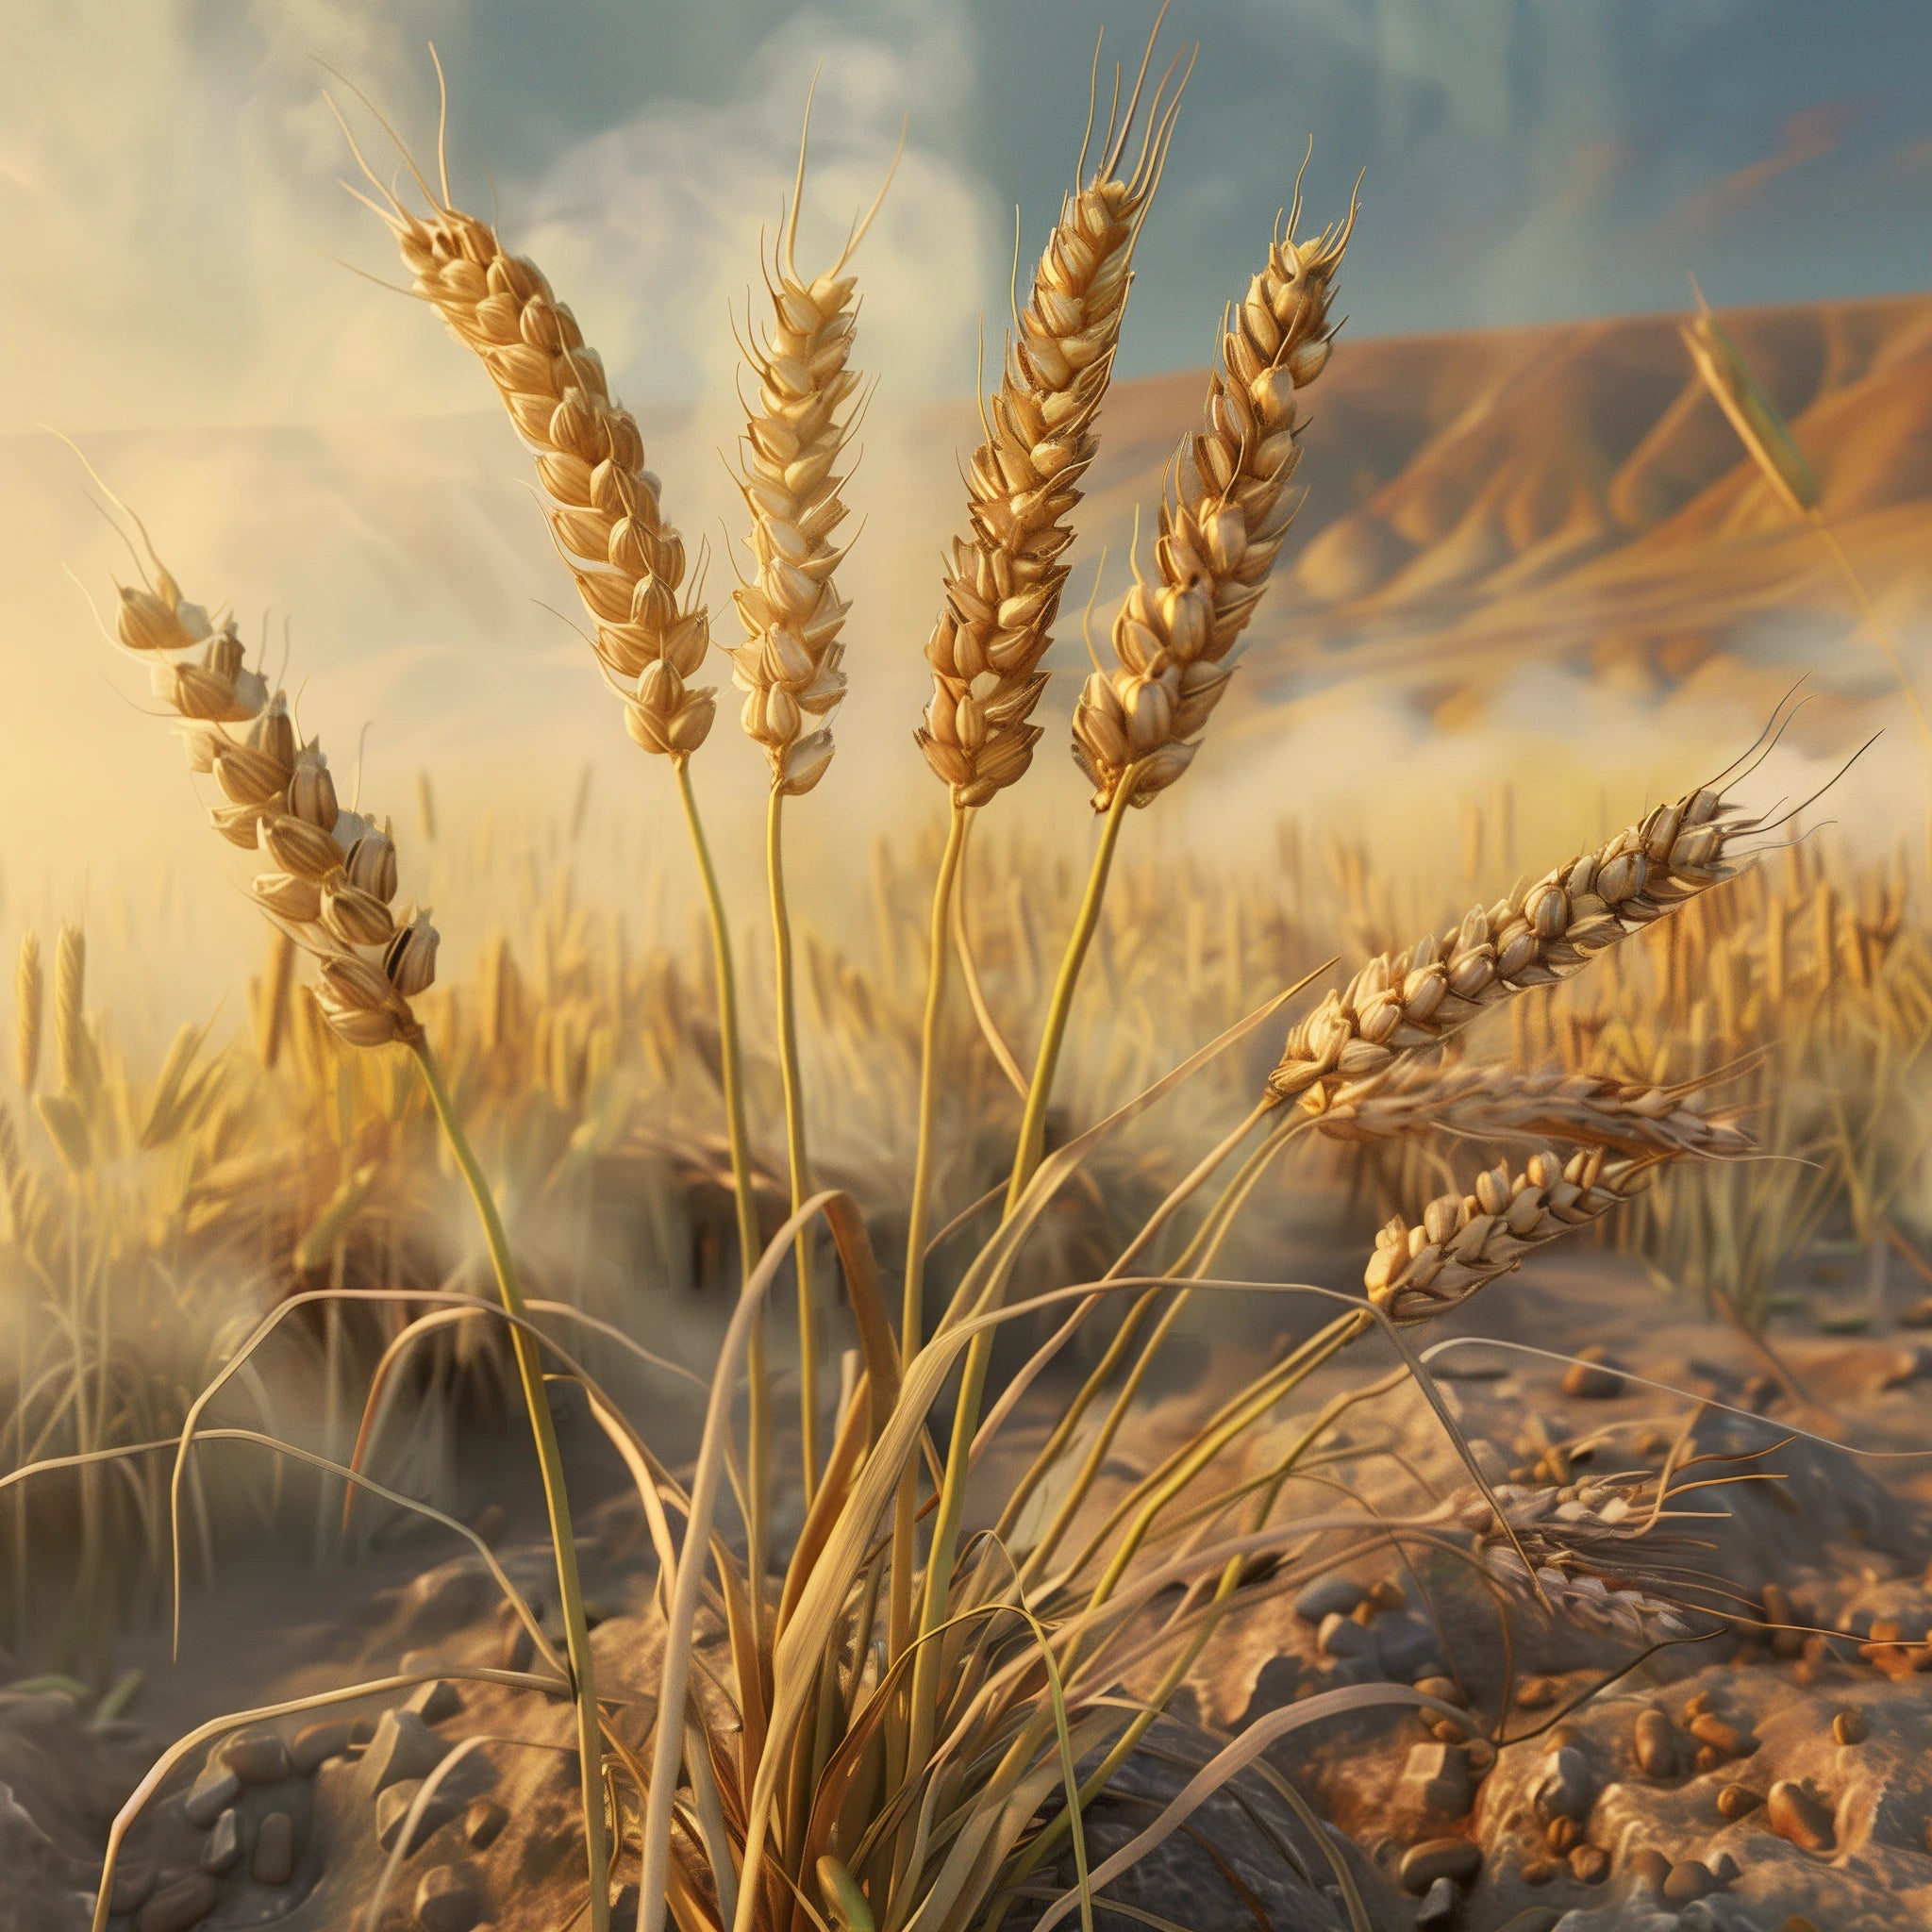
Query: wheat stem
[556, 1496]
[797, 1158]
[731, 1058]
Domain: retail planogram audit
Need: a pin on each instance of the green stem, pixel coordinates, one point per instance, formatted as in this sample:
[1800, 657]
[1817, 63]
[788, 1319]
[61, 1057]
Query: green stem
[798, 1159]
[749, 1246]
[1026, 1157]
[556, 1497]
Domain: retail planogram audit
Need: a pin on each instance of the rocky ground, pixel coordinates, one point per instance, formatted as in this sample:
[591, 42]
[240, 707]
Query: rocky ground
[1755, 1781]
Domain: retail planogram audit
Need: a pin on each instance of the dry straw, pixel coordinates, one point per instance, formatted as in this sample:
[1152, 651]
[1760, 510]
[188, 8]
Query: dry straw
[1223, 514]
[1005, 575]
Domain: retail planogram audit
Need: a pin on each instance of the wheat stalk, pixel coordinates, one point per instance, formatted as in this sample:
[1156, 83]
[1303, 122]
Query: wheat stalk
[602, 503]
[1405, 1001]
[1464, 1242]
[1005, 575]
[1222, 516]
[1586, 1109]
[30, 1001]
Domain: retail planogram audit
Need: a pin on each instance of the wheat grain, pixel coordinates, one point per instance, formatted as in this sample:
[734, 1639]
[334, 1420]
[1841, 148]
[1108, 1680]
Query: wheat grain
[72, 1049]
[1222, 516]
[1586, 1109]
[604, 505]
[789, 666]
[1403, 1002]
[30, 1000]
[1005, 575]
[1464, 1242]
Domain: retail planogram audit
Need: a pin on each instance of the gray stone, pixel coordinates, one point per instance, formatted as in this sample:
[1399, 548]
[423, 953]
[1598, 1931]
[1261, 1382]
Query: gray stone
[1437, 1909]
[1564, 1787]
[223, 1851]
[1435, 1778]
[257, 1757]
[1692, 1880]
[392, 1806]
[434, 1703]
[274, 1850]
[483, 1823]
[1407, 1646]
[1343, 1636]
[450, 1899]
[133, 1883]
[404, 1746]
[212, 1794]
[1457, 1859]
[315, 1744]
[1327, 1596]
[180, 1906]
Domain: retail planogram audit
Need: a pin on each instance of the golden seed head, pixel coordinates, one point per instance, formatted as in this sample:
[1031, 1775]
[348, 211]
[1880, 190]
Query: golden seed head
[29, 997]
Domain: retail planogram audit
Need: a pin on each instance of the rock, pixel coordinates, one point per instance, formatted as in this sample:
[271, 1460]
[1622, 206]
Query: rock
[1655, 1744]
[1793, 1813]
[1457, 1859]
[1692, 1880]
[1437, 1909]
[1539, 1870]
[1444, 1688]
[392, 1806]
[435, 1703]
[450, 1899]
[1738, 1800]
[223, 1851]
[403, 1747]
[178, 1906]
[1590, 1864]
[133, 1882]
[1588, 1380]
[1327, 1596]
[1648, 1866]
[1343, 1636]
[519, 1648]
[1848, 1727]
[274, 1850]
[1709, 1728]
[483, 1823]
[1565, 1787]
[624, 1909]
[1563, 1834]
[1435, 1778]
[1407, 1646]
[315, 1744]
[1538, 1694]
[257, 1757]
[211, 1794]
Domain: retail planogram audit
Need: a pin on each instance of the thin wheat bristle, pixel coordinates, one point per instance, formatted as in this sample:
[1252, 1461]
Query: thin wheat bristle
[1004, 577]
[1223, 513]
[604, 505]
[30, 1001]
[1464, 1242]
[1406, 1001]
[1724, 371]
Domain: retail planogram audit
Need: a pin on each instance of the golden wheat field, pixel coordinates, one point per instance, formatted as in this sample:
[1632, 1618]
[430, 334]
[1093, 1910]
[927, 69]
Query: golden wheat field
[1252, 1246]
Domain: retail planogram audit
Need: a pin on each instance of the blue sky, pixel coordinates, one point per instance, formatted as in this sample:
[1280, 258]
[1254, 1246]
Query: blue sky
[179, 251]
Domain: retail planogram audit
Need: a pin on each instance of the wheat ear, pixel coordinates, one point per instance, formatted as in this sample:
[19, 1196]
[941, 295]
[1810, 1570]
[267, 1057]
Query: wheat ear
[29, 1004]
[602, 503]
[1407, 1001]
[1005, 575]
[1222, 516]
[1585, 1110]
[1464, 1242]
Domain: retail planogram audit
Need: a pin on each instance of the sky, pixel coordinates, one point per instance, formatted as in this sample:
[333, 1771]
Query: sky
[179, 251]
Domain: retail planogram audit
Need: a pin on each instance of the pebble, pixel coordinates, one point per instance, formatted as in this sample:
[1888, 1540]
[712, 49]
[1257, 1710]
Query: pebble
[1538, 1694]
[315, 1744]
[1588, 1380]
[1562, 1834]
[1435, 1778]
[1437, 1909]
[624, 1909]
[1327, 1596]
[435, 1703]
[274, 1850]
[404, 1747]
[449, 1900]
[257, 1757]
[1655, 1744]
[178, 1906]
[1453, 1858]
[1539, 1870]
[1648, 1866]
[1565, 1787]
[392, 1806]
[1340, 1636]
[212, 1794]
[1479, 1755]
[1793, 1813]
[1692, 1880]
[1738, 1800]
[1709, 1728]
[518, 1649]
[1590, 1864]
[223, 1851]
[483, 1823]
[1444, 1688]
[1848, 1727]
[132, 1884]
